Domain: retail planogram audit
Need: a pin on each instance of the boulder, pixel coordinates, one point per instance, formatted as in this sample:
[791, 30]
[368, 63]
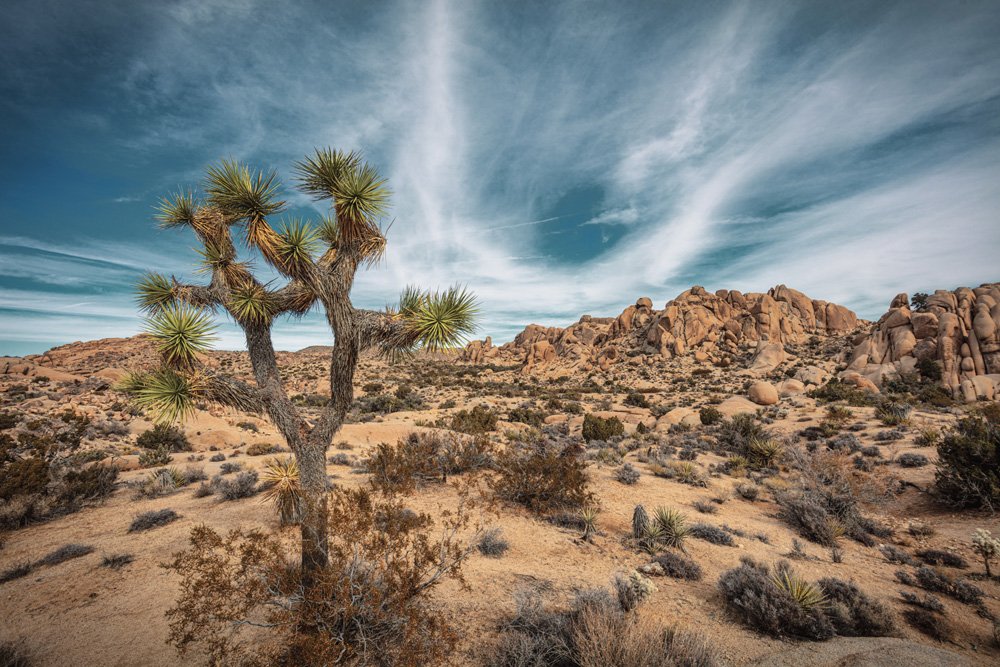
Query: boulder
[736, 405]
[768, 357]
[791, 387]
[763, 393]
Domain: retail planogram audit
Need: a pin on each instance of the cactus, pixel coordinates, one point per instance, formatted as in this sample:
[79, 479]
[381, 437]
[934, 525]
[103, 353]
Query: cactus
[640, 523]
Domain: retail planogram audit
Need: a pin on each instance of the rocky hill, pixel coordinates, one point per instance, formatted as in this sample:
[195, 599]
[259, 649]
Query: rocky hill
[707, 326]
[958, 330]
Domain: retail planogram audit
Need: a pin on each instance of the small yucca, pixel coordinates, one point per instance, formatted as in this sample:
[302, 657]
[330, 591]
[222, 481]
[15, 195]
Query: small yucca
[673, 525]
[589, 517]
[765, 451]
[805, 594]
[281, 479]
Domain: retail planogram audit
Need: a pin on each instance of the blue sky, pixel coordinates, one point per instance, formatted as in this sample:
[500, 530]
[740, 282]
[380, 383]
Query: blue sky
[558, 158]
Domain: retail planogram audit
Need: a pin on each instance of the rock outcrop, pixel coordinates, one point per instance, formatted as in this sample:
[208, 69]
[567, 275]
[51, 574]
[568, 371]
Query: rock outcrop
[710, 327]
[959, 330]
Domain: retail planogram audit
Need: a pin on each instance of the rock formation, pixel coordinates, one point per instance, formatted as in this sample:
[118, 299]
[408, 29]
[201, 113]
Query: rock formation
[959, 330]
[707, 326]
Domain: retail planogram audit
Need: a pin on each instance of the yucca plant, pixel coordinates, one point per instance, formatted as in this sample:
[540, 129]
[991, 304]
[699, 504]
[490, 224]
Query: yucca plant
[765, 452]
[806, 595]
[317, 264]
[588, 515]
[673, 525]
[281, 481]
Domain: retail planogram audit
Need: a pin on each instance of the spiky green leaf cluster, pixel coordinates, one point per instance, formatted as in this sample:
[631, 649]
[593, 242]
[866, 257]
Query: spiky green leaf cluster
[165, 394]
[182, 332]
[673, 526]
[329, 231]
[176, 209]
[805, 594]
[320, 174]
[299, 241]
[439, 320]
[361, 194]
[241, 193]
[154, 292]
[251, 302]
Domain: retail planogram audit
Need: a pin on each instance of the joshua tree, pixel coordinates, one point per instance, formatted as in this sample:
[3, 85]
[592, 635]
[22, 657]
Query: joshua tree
[317, 265]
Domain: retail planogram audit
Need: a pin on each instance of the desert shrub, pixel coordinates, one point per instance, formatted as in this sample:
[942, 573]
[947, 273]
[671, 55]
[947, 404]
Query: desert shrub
[22, 510]
[230, 467]
[154, 457]
[838, 390]
[525, 414]
[477, 421]
[928, 601]
[63, 554]
[935, 626]
[927, 437]
[94, 483]
[636, 399]
[705, 506]
[164, 436]
[243, 485]
[684, 472]
[16, 571]
[24, 477]
[8, 420]
[912, 460]
[929, 369]
[492, 543]
[593, 632]
[893, 413]
[204, 490]
[426, 457]
[216, 458]
[13, 655]
[968, 466]
[937, 582]
[710, 533]
[940, 557]
[810, 519]
[262, 449]
[896, 555]
[627, 474]
[116, 561]
[678, 566]
[710, 415]
[248, 426]
[541, 477]
[194, 474]
[853, 613]
[757, 598]
[601, 428]
[152, 519]
[371, 604]
[748, 491]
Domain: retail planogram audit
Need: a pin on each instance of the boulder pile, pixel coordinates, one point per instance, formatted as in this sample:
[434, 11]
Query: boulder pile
[710, 327]
[958, 330]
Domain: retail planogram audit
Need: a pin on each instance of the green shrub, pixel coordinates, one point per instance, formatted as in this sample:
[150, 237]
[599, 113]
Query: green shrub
[968, 466]
[155, 457]
[710, 415]
[929, 369]
[600, 428]
[477, 421]
[636, 400]
[24, 477]
[164, 436]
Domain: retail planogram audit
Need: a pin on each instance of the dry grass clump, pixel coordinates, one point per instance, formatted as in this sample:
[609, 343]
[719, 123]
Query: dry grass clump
[710, 533]
[594, 632]
[933, 625]
[940, 557]
[116, 561]
[938, 582]
[492, 543]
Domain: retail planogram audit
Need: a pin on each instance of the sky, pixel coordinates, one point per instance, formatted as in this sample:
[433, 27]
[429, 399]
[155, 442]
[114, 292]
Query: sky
[556, 158]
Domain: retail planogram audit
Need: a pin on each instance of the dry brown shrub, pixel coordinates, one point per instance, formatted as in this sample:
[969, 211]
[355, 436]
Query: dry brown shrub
[370, 606]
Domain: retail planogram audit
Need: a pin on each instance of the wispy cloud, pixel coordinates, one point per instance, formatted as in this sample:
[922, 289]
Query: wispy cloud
[848, 150]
